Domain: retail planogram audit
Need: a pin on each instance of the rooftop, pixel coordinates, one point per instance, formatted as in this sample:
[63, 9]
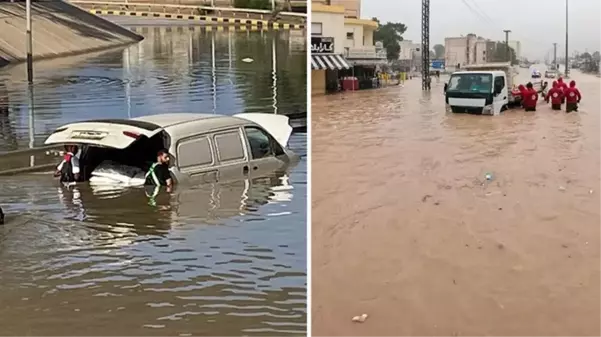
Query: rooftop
[169, 119]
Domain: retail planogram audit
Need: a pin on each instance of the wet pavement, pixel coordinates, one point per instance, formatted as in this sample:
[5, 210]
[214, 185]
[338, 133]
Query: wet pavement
[407, 229]
[217, 259]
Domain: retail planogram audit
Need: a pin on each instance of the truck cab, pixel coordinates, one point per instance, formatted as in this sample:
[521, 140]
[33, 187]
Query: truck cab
[478, 92]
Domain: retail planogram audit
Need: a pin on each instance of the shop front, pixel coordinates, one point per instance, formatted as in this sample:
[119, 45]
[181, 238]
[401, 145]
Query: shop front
[326, 66]
[367, 63]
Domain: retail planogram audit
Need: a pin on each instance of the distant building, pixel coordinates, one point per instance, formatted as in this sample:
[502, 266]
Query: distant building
[409, 50]
[517, 47]
[465, 50]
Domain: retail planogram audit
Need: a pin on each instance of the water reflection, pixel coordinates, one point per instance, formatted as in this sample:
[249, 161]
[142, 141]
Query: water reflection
[184, 68]
[218, 259]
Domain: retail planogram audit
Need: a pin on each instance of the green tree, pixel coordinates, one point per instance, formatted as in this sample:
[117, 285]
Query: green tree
[390, 34]
[500, 53]
[438, 51]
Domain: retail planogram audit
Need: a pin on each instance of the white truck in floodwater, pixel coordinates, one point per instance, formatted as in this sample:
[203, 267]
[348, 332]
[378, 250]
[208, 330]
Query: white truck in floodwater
[486, 89]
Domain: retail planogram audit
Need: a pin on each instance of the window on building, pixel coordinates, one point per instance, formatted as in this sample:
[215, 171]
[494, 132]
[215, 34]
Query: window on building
[350, 36]
[316, 28]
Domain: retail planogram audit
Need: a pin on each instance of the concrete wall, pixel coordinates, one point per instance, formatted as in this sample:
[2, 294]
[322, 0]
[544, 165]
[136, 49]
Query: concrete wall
[352, 8]
[58, 29]
[517, 47]
[408, 50]
[368, 36]
[332, 26]
[318, 82]
[455, 51]
[357, 31]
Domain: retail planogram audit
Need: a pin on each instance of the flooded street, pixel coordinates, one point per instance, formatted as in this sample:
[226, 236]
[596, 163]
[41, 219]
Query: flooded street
[217, 259]
[407, 229]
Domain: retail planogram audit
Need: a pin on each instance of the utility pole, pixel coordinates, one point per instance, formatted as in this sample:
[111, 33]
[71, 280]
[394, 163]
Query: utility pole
[425, 44]
[567, 56]
[555, 55]
[507, 53]
[29, 42]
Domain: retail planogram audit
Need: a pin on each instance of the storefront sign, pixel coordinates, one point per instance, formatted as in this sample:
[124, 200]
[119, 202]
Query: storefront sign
[322, 45]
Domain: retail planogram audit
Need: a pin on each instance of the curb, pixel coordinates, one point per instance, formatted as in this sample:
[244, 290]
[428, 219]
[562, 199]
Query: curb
[201, 18]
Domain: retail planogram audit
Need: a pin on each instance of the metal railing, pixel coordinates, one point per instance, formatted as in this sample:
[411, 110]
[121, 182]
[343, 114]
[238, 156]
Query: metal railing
[187, 9]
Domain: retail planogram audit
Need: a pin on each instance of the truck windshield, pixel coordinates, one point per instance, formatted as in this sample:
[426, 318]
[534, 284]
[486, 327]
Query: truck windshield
[470, 83]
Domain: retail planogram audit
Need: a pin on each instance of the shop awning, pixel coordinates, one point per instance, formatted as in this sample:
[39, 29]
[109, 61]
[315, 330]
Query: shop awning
[331, 61]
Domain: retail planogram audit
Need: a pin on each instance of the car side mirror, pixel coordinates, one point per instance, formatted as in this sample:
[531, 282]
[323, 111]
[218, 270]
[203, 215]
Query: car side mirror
[446, 85]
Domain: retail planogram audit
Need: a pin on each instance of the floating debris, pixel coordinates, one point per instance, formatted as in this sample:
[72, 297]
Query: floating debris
[561, 188]
[360, 319]
[488, 176]
[247, 60]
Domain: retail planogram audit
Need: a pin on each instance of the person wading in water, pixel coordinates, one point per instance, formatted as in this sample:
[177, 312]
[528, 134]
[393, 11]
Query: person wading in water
[158, 175]
[68, 170]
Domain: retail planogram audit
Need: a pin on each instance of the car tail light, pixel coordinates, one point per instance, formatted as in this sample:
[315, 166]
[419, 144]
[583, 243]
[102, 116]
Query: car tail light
[131, 134]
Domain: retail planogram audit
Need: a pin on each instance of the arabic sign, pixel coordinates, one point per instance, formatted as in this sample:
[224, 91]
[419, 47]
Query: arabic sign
[90, 135]
[322, 45]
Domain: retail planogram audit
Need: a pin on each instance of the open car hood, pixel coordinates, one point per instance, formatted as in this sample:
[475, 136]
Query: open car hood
[277, 125]
[113, 133]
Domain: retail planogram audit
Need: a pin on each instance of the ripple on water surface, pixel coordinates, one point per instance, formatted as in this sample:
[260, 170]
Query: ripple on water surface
[222, 259]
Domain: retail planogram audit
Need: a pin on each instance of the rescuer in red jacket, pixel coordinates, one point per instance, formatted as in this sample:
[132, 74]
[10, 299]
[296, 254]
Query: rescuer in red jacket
[556, 96]
[529, 98]
[573, 97]
[522, 90]
[563, 87]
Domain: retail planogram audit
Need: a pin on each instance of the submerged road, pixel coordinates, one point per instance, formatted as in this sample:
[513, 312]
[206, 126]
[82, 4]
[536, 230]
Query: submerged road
[407, 229]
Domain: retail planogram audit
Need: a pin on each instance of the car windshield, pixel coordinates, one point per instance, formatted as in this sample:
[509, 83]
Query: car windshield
[470, 83]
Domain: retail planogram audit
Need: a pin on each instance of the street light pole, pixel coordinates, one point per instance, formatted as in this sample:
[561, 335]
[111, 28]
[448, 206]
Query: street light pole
[507, 53]
[29, 42]
[567, 71]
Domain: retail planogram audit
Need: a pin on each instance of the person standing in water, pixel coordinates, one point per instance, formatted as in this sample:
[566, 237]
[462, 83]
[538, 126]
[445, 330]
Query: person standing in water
[158, 175]
[573, 97]
[556, 96]
[563, 87]
[530, 98]
[68, 170]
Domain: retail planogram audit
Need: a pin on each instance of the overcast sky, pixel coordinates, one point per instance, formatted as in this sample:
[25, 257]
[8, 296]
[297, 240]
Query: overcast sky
[536, 23]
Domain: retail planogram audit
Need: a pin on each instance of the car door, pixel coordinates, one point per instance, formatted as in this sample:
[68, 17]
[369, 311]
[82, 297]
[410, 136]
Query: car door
[231, 153]
[500, 99]
[264, 151]
[196, 159]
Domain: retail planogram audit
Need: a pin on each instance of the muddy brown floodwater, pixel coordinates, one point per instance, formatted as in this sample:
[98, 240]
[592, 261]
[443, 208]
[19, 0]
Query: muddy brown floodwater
[407, 229]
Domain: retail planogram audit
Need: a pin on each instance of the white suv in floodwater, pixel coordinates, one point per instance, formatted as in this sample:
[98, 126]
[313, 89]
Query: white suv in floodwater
[204, 147]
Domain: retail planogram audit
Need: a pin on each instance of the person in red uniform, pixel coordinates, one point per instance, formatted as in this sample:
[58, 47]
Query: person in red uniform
[522, 90]
[530, 98]
[573, 97]
[563, 87]
[556, 96]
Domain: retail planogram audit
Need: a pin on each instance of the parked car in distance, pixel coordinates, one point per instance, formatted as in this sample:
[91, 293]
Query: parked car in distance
[536, 74]
[204, 147]
[550, 74]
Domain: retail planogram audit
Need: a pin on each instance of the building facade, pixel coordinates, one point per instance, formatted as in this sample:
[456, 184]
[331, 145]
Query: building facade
[352, 8]
[341, 43]
[465, 50]
[517, 47]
